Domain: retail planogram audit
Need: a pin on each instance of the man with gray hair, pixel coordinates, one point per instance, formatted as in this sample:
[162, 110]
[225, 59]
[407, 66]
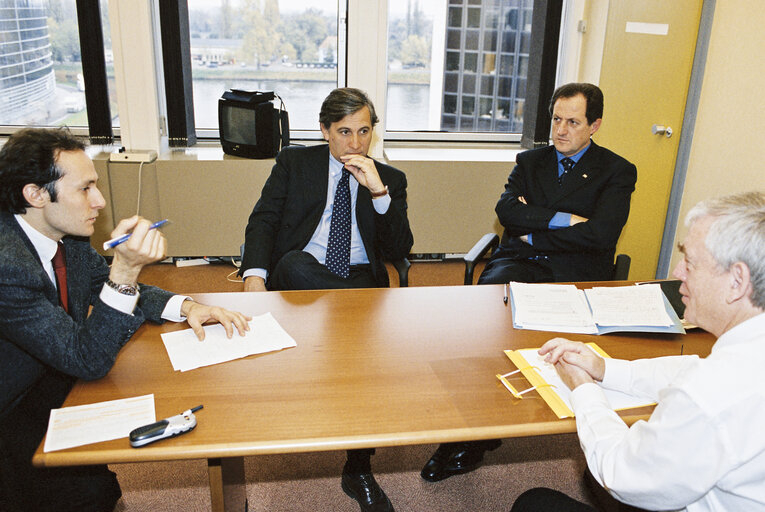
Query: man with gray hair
[702, 447]
[327, 218]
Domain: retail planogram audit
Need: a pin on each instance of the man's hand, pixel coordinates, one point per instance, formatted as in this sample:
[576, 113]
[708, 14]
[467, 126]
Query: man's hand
[365, 172]
[254, 284]
[143, 247]
[575, 362]
[198, 314]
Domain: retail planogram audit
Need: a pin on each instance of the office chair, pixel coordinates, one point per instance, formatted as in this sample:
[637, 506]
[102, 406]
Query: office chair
[490, 241]
[401, 266]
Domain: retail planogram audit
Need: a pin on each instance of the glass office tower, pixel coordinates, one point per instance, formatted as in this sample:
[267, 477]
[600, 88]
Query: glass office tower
[486, 64]
[27, 81]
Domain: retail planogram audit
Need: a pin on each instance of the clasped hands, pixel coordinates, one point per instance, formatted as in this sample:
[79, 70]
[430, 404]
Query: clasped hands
[147, 246]
[574, 361]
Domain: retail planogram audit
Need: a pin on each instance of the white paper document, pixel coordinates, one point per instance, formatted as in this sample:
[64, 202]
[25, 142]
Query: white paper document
[93, 423]
[616, 399]
[599, 310]
[628, 305]
[545, 306]
[186, 352]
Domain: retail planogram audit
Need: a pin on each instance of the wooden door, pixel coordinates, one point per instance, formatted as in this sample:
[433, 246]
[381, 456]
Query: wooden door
[645, 73]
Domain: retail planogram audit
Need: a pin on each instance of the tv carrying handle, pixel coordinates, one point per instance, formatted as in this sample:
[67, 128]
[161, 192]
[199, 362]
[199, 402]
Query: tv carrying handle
[284, 122]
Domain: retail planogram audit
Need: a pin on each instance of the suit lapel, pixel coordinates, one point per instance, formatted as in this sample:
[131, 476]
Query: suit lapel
[549, 176]
[78, 280]
[365, 217]
[316, 182]
[50, 290]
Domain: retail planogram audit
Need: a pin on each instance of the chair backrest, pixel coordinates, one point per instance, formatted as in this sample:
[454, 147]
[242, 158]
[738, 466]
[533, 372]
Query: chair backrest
[622, 267]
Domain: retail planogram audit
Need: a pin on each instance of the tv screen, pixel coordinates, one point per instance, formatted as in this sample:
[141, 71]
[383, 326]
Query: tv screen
[238, 125]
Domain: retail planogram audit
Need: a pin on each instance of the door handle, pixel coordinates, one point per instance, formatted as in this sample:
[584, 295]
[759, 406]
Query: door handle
[658, 129]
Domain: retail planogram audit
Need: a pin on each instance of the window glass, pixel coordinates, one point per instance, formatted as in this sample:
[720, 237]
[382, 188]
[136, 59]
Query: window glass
[41, 81]
[441, 54]
[284, 46]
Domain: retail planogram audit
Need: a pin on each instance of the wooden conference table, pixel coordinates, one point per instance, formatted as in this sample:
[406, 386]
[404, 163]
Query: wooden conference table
[372, 368]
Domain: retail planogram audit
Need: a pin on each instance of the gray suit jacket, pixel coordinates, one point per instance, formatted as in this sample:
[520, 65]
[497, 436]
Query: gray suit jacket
[37, 337]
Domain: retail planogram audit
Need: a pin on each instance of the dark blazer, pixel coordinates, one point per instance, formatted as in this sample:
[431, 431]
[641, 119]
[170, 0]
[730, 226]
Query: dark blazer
[293, 199]
[598, 188]
[37, 337]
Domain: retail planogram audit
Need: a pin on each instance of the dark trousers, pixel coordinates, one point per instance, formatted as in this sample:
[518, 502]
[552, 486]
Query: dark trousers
[299, 270]
[501, 270]
[63, 489]
[542, 499]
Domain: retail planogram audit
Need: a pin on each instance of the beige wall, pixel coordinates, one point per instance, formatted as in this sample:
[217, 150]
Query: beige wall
[209, 197]
[726, 154]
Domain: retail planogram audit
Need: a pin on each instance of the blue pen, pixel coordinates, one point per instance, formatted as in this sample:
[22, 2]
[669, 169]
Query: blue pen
[114, 242]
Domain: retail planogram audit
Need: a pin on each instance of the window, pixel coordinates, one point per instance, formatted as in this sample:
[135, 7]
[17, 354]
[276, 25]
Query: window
[457, 65]
[284, 46]
[41, 71]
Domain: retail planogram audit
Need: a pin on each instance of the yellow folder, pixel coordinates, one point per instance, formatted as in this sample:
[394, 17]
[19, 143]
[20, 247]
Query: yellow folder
[548, 391]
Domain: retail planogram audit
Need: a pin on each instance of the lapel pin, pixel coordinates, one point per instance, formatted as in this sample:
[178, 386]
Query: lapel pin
[584, 175]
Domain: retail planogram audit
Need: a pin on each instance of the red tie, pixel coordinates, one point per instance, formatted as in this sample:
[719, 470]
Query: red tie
[59, 267]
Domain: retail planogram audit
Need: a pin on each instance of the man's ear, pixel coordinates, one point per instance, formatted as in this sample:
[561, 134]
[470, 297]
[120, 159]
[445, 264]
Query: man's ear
[740, 282]
[595, 125]
[36, 196]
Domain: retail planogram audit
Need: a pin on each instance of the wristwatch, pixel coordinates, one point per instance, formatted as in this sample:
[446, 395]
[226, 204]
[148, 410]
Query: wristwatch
[124, 289]
[383, 192]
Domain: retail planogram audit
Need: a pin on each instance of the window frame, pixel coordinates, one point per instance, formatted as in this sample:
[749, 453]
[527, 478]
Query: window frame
[97, 88]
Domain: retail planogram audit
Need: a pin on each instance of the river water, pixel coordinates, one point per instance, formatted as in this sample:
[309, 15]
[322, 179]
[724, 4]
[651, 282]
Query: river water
[407, 103]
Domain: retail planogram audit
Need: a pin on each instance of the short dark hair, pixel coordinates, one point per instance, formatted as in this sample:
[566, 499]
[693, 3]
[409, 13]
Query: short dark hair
[345, 101]
[592, 95]
[30, 156]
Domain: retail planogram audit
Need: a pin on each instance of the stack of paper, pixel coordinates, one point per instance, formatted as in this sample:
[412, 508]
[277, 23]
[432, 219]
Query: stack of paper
[565, 308]
[187, 352]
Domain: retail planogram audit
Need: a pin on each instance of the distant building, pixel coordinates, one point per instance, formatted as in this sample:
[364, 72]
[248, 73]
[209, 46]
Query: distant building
[27, 81]
[215, 51]
[486, 64]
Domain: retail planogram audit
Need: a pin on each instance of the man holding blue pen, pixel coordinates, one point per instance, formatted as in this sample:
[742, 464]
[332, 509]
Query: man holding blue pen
[65, 313]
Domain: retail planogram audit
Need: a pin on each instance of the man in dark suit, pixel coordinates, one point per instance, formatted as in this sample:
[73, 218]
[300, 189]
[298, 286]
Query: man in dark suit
[64, 313]
[327, 218]
[563, 210]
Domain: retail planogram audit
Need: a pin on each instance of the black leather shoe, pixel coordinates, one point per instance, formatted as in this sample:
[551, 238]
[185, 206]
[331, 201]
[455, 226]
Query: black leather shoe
[456, 459]
[363, 488]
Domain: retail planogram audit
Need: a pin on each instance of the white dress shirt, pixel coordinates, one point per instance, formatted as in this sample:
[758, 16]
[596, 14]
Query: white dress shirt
[46, 249]
[317, 246]
[703, 448]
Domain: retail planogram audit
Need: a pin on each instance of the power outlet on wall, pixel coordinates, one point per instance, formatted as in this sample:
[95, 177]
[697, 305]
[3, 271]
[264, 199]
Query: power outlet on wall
[134, 156]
